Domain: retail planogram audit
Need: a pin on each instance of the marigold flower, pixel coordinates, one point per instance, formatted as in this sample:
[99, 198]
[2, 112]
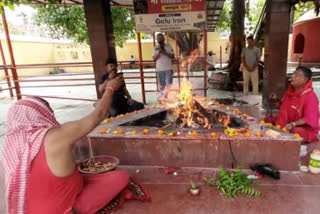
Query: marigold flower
[258, 134]
[146, 131]
[103, 131]
[248, 134]
[160, 131]
[213, 134]
[107, 120]
[296, 135]
[193, 133]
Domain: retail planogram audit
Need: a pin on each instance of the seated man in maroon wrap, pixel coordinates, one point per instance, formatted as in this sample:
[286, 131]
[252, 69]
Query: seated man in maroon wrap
[299, 107]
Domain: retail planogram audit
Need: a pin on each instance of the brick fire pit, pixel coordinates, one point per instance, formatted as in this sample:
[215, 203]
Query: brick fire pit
[138, 139]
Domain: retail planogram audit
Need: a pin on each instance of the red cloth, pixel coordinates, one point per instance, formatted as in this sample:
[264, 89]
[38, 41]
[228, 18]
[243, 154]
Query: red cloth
[49, 194]
[28, 122]
[99, 190]
[302, 104]
[30, 186]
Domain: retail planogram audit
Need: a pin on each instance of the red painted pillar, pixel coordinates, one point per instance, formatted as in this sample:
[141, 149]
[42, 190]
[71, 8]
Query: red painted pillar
[154, 44]
[220, 57]
[178, 60]
[6, 70]
[154, 38]
[205, 61]
[276, 48]
[141, 69]
[13, 64]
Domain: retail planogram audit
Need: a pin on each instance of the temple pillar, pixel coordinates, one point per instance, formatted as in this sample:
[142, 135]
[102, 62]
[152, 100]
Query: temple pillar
[100, 32]
[276, 48]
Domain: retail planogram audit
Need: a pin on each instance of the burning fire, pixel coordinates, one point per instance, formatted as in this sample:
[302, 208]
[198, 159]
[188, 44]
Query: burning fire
[224, 120]
[188, 112]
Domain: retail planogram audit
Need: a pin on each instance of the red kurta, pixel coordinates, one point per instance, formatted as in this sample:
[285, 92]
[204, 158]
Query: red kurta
[302, 104]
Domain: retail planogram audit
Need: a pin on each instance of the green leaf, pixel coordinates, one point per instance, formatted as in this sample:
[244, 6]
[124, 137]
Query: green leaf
[11, 6]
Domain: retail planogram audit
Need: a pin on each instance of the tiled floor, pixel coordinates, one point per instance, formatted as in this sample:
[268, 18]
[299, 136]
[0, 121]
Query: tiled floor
[294, 193]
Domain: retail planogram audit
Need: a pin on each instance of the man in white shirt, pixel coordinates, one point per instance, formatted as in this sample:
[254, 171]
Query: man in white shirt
[250, 57]
[132, 60]
[163, 55]
[211, 61]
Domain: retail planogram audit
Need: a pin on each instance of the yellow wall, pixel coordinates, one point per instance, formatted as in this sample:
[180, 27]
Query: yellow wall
[50, 51]
[29, 53]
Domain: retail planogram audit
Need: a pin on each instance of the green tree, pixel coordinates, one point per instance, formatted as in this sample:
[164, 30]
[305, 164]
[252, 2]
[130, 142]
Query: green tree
[301, 8]
[253, 12]
[225, 17]
[70, 22]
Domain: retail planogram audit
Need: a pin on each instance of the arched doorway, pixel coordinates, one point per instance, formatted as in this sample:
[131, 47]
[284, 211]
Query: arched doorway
[299, 44]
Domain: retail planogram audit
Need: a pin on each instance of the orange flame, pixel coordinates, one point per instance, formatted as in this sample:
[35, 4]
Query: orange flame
[224, 120]
[187, 63]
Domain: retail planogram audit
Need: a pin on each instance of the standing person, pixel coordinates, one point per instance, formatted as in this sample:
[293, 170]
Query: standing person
[122, 102]
[163, 55]
[132, 61]
[250, 59]
[41, 175]
[211, 61]
[228, 48]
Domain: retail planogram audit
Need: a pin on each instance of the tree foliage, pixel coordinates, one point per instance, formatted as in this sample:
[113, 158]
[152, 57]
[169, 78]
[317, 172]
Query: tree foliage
[225, 17]
[253, 11]
[302, 8]
[70, 22]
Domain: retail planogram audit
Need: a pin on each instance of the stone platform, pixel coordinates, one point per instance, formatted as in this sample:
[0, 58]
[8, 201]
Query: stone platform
[133, 145]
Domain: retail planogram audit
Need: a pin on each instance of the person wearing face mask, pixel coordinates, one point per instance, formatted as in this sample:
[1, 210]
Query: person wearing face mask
[299, 107]
[163, 55]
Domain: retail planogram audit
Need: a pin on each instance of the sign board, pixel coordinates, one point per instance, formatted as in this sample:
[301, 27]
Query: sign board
[169, 15]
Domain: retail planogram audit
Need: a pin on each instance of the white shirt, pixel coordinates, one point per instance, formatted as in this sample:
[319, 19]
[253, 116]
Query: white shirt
[132, 59]
[163, 63]
[211, 60]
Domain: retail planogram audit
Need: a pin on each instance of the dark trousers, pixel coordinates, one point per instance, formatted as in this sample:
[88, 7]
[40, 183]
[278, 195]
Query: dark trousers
[120, 105]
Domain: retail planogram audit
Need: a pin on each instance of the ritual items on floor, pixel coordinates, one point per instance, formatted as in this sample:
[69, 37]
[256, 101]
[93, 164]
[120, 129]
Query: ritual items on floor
[266, 169]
